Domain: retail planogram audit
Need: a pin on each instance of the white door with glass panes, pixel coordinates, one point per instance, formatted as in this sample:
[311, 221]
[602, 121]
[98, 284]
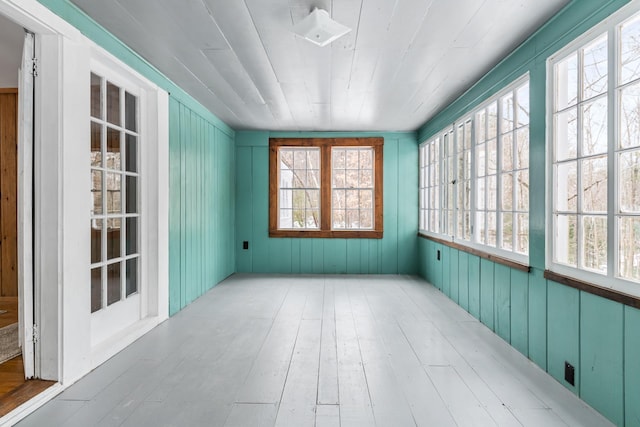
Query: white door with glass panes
[115, 204]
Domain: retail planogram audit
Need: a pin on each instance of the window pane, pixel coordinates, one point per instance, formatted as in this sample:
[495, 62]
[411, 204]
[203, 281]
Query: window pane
[96, 240]
[96, 96]
[96, 192]
[594, 185]
[132, 194]
[366, 159]
[132, 276]
[113, 104]
[630, 50]
[480, 193]
[113, 149]
[352, 179]
[522, 190]
[338, 160]
[567, 189]
[507, 191]
[522, 148]
[566, 240]
[131, 153]
[114, 226]
[629, 241]
[96, 145]
[366, 219]
[522, 110]
[492, 120]
[594, 243]
[629, 186]
[492, 157]
[480, 227]
[114, 199]
[96, 289]
[366, 178]
[507, 231]
[507, 152]
[566, 135]
[130, 112]
[113, 283]
[286, 218]
[594, 127]
[567, 82]
[522, 237]
[132, 236]
[507, 113]
[480, 126]
[339, 218]
[595, 68]
[630, 116]
[286, 177]
[491, 228]
[492, 192]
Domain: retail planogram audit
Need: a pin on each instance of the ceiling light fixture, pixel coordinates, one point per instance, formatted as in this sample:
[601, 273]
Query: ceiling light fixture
[319, 28]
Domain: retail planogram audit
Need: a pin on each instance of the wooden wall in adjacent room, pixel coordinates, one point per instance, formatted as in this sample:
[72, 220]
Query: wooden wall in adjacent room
[8, 192]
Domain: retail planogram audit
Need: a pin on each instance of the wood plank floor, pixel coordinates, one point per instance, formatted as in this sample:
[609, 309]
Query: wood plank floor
[318, 351]
[14, 389]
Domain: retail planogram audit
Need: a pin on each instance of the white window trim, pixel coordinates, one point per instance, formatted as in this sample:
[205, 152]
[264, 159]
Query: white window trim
[608, 280]
[152, 295]
[473, 244]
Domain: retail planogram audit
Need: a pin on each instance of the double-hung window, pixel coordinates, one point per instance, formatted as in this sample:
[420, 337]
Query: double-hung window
[325, 187]
[595, 158]
[474, 177]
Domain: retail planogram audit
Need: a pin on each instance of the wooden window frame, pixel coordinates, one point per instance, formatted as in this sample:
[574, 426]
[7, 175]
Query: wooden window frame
[325, 145]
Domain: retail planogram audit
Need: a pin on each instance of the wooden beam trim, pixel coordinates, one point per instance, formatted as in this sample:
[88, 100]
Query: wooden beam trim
[607, 293]
[482, 254]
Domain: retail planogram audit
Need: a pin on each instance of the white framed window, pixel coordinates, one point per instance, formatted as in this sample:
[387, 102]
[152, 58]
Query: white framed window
[115, 213]
[474, 177]
[594, 216]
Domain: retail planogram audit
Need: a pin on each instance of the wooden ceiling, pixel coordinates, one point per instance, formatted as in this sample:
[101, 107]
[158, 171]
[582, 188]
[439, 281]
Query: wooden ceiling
[403, 61]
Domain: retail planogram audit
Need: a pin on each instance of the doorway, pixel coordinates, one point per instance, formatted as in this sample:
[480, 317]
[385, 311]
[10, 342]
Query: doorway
[16, 287]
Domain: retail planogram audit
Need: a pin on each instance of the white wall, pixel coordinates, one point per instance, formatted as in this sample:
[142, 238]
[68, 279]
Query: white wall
[11, 39]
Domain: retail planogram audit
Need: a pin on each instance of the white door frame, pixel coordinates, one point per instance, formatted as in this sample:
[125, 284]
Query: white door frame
[25, 204]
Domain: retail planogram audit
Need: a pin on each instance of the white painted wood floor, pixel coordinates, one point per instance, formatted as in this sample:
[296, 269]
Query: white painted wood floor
[323, 351]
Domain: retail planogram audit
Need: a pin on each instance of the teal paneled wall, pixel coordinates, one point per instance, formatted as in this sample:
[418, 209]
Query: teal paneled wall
[548, 322]
[395, 253]
[202, 201]
[201, 175]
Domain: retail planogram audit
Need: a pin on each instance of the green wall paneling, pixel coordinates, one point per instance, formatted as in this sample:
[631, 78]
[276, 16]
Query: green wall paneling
[201, 205]
[335, 257]
[487, 303]
[446, 272]
[601, 356]
[563, 331]
[425, 269]
[438, 266]
[175, 224]
[463, 280]
[390, 187]
[407, 215]
[243, 209]
[632, 366]
[474, 286]
[502, 304]
[395, 253]
[520, 311]
[537, 318]
[454, 274]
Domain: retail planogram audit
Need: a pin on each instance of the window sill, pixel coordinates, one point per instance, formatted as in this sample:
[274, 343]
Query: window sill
[608, 293]
[324, 234]
[482, 254]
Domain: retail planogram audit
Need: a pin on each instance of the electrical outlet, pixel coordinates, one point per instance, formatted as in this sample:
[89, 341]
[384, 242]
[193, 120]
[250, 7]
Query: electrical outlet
[245, 245]
[569, 373]
[438, 255]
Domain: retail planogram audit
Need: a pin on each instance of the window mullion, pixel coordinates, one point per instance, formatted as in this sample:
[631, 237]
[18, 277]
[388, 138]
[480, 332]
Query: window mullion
[612, 136]
[325, 188]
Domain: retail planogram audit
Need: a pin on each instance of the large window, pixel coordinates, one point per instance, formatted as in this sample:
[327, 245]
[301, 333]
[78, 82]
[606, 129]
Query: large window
[325, 187]
[595, 217]
[114, 193]
[474, 176]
